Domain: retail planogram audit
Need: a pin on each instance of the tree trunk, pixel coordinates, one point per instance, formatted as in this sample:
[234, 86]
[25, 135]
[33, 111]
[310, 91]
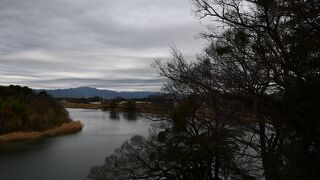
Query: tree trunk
[264, 155]
[216, 168]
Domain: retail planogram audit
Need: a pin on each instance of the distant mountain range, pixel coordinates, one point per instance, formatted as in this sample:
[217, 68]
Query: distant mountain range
[88, 92]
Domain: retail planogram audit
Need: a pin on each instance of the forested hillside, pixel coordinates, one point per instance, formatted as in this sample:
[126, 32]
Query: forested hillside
[21, 109]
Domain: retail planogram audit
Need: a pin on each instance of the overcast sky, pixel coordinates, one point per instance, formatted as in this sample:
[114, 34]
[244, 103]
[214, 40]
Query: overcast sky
[107, 44]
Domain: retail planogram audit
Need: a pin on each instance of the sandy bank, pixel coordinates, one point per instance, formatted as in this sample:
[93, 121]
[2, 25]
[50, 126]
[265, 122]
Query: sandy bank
[65, 128]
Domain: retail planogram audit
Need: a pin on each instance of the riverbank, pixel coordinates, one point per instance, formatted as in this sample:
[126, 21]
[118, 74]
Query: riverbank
[65, 128]
[67, 104]
[140, 107]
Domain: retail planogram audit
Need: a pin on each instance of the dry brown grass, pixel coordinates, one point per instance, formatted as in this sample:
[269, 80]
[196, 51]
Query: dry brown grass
[142, 107]
[65, 128]
[66, 104]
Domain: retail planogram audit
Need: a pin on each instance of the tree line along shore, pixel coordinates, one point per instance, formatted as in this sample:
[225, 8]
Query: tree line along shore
[25, 115]
[149, 105]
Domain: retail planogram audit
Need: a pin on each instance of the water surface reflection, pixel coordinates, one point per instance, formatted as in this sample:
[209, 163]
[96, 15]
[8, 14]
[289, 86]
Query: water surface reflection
[70, 157]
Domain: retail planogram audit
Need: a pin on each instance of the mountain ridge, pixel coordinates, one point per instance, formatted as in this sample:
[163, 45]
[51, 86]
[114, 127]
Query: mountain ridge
[88, 92]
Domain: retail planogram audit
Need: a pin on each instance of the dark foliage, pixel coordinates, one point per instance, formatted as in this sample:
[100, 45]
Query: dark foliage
[247, 107]
[21, 109]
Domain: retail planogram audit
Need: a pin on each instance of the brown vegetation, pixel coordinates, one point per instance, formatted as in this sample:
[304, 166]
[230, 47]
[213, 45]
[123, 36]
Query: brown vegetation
[139, 106]
[67, 104]
[65, 128]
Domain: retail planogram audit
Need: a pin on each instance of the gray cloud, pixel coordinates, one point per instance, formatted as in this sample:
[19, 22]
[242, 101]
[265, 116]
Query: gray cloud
[100, 43]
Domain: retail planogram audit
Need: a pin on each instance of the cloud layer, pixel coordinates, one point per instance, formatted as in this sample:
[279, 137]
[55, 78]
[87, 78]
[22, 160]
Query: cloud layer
[99, 43]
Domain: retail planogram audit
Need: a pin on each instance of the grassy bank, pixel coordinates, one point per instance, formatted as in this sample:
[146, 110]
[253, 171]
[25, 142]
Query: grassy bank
[66, 104]
[140, 107]
[65, 128]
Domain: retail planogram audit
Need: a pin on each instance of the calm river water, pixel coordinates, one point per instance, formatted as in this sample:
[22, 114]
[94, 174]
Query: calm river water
[70, 157]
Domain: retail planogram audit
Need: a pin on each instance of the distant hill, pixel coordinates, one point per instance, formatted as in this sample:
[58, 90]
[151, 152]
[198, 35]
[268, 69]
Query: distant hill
[88, 92]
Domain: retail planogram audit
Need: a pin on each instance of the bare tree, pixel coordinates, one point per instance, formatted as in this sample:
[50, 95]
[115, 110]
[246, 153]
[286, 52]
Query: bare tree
[247, 105]
[267, 52]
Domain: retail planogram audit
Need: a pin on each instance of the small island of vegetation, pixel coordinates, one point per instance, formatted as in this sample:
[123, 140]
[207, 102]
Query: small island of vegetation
[25, 114]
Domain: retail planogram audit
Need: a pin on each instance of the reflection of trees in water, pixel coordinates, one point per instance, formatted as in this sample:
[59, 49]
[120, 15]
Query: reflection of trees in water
[130, 115]
[127, 115]
[114, 115]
